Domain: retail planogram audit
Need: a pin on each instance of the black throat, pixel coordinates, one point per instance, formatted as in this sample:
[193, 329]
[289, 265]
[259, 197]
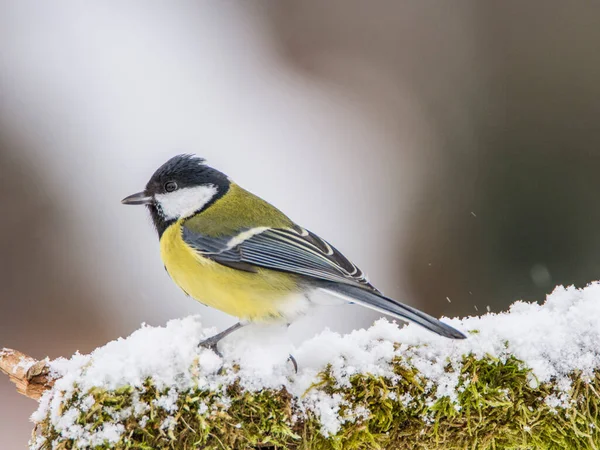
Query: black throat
[160, 223]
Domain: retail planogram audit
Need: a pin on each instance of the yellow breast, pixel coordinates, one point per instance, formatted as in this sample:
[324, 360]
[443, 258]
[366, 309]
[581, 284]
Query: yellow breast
[258, 296]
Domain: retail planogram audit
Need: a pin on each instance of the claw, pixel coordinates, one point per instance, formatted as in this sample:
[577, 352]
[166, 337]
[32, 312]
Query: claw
[211, 344]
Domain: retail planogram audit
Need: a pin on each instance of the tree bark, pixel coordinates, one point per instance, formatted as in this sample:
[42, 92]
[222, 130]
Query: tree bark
[31, 377]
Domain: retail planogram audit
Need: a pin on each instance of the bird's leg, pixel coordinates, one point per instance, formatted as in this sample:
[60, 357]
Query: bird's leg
[294, 363]
[291, 357]
[211, 342]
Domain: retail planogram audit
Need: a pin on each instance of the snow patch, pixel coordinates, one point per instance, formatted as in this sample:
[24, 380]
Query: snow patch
[553, 340]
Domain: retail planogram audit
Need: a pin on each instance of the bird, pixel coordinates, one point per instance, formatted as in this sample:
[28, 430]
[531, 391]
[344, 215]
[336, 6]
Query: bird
[231, 250]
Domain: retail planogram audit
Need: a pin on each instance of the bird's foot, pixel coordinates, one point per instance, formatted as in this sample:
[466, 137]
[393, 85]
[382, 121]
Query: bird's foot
[211, 344]
[294, 363]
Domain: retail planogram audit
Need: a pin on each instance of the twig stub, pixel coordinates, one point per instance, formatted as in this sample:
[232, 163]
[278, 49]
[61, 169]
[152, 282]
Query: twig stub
[32, 377]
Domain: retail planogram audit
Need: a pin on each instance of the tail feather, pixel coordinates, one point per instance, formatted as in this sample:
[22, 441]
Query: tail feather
[392, 307]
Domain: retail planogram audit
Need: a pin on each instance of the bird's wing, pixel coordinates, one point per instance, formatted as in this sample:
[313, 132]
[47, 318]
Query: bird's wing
[301, 252]
[293, 250]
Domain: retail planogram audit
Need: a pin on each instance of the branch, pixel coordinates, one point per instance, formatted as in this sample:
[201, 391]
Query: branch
[527, 378]
[29, 375]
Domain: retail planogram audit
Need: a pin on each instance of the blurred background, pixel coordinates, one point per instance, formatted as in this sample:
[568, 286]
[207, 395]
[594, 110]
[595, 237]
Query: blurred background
[450, 149]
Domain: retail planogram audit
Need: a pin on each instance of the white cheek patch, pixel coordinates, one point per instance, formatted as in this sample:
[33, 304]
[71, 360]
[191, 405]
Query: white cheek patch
[185, 202]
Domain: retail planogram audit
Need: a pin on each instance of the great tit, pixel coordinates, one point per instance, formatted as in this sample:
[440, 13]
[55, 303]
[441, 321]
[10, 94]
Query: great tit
[233, 251]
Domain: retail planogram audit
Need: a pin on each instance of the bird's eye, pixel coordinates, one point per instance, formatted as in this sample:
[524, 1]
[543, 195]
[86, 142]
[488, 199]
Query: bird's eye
[170, 186]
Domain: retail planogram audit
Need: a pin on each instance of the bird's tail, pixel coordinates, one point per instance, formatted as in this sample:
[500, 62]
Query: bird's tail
[392, 307]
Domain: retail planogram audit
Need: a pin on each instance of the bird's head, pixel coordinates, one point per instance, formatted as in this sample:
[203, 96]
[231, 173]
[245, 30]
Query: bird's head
[180, 188]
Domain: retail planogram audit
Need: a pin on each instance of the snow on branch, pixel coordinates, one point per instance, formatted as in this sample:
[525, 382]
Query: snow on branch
[527, 378]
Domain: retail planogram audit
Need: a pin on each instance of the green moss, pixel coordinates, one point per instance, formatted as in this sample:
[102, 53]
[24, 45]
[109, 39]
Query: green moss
[499, 405]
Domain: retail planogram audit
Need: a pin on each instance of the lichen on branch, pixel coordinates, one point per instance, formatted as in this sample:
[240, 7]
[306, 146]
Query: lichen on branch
[527, 378]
